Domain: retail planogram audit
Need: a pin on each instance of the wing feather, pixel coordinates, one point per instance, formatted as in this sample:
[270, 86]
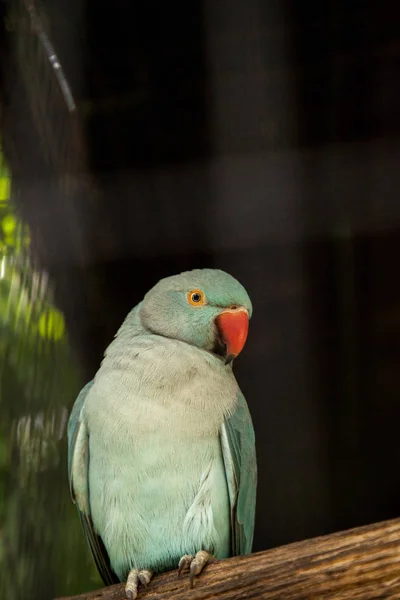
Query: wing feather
[78, 474]
[238, 449]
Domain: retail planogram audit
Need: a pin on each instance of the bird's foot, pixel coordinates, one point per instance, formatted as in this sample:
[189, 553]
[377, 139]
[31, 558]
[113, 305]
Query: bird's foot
[135, 577]
[195, 563]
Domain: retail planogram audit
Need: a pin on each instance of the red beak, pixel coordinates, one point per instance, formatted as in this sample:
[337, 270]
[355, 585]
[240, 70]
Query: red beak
[233, 326]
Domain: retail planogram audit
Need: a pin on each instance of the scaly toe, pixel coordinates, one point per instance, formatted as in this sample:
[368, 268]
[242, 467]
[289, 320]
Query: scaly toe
[201, 559]
[145, 576]
[131, 587]
[184, 563]
[134, 578]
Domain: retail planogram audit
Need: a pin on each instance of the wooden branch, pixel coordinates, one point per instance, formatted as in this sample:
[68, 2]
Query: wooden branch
[362, 564]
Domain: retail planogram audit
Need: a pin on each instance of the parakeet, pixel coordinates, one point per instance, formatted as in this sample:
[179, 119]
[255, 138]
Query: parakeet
[161, 446]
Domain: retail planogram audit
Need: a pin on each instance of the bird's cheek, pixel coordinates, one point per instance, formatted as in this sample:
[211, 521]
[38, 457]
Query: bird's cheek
[233, 327]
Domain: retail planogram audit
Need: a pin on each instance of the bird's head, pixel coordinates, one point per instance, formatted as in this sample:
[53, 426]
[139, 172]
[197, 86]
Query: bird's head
[205, 307]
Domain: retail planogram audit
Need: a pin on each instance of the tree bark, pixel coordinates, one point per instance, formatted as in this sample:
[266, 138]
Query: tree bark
[362, 563]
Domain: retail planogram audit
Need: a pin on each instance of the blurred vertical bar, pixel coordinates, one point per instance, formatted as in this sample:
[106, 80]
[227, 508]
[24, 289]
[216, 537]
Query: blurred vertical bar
[44, 85]
[253, 119]
[46, 224]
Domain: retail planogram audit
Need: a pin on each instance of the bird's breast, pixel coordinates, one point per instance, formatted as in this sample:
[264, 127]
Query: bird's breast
[156, 467]
[163, 385]
[155, 497]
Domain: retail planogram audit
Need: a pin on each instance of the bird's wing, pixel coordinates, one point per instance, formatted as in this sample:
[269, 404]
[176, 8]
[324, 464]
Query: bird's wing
[78, 474]
[239, 453]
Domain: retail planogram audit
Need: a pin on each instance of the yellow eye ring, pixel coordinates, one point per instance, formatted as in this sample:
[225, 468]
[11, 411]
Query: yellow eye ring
[196, 298]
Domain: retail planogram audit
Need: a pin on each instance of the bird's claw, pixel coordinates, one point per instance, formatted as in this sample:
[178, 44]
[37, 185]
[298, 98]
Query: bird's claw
[145, 577]
[196, 564]
[184, 563]
[135, 577]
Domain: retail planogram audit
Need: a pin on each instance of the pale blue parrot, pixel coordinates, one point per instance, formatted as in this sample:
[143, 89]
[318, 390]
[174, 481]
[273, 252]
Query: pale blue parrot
[161, 460]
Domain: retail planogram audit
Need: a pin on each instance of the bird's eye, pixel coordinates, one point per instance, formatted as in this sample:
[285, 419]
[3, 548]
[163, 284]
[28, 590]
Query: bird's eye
[196, 297]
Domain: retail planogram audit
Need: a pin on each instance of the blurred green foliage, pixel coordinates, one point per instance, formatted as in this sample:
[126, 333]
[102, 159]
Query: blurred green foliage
[42, 547]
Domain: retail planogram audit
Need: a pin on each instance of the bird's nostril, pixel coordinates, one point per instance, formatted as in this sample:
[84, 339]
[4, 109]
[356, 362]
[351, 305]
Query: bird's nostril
[234, 307]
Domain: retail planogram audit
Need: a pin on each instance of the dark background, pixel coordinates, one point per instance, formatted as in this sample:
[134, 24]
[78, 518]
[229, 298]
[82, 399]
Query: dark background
[260, 137]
